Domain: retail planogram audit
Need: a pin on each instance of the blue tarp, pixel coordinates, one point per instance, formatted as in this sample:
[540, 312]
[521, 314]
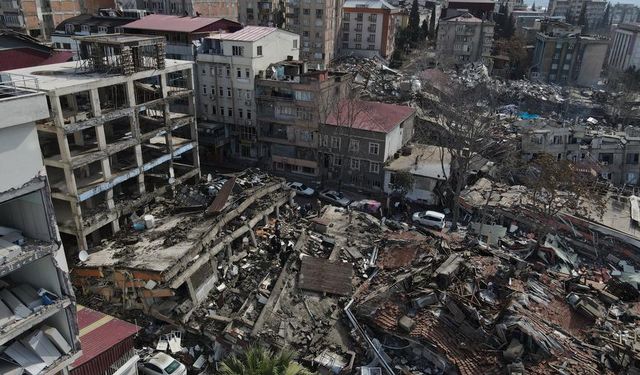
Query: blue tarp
[528, 116]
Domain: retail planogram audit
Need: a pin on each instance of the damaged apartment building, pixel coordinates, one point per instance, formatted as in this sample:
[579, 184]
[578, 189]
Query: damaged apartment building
[38, 325]
[121, 130]
[614, 154]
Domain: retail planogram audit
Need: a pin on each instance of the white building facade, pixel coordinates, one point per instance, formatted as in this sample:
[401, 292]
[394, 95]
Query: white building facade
[624, 50]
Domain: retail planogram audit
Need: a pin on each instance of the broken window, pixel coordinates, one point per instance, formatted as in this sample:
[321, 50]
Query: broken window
[632, 158]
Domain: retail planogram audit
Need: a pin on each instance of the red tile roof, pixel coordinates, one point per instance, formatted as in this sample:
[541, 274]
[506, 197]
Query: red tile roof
[100, 332]
[371, 116]
[24, 57]
[178, 24]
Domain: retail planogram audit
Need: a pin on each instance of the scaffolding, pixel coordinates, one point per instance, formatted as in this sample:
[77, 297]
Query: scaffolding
[123, 54]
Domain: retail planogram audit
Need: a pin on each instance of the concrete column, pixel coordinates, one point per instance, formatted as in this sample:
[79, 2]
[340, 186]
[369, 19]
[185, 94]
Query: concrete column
[278, 212]
[229, 252]
[164, 85]
[253, 236]
[139, 163]
[95, 102]
[131, 94]
[266, 220]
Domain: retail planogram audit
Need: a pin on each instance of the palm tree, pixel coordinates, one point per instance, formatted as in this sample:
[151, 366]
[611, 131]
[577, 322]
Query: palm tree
[261, 361]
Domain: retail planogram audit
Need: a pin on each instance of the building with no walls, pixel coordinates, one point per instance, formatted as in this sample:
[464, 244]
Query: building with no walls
[121, 131]
[368, 28]
[38, 335]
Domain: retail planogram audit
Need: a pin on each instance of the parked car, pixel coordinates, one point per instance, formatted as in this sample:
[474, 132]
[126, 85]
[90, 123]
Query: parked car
[335, 198]
[301, 189]
[431, 219]
[369, 206]
[163, 364]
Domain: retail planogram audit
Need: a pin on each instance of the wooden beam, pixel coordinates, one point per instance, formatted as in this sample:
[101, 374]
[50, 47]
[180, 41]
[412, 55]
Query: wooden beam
[157, 293]
[87, 272]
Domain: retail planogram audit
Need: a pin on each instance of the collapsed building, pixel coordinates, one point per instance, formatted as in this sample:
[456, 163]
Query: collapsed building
[121, 130]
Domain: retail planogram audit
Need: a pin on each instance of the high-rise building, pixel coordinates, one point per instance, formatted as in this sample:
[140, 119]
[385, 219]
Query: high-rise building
[260, 12]
[624, 51]
[37, 18]
[317, 22]
[368, 28]
[121, 131]
[464, 38]
[38, 324]
[572, 9]
[228, 65]
[192, 8]
[624, 13]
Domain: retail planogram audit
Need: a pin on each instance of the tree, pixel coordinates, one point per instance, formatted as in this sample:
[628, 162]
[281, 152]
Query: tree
[402, 183]
[414, 22]
[515, 49]
[260, 361]
[555, 186]
[424, 28]
[533, 7]
[432, 22]
[278, 15]
[582, 18]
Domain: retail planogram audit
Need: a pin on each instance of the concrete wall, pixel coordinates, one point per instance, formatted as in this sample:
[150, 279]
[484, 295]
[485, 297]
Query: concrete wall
[593, 56]
[20, 155]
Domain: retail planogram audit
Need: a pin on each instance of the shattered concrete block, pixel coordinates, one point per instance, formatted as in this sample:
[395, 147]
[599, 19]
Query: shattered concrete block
[513, 351]
[406, 324]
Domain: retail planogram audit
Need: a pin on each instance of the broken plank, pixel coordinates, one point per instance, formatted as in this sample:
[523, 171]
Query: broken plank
[145, 275]
[158, 293]
[87, 272]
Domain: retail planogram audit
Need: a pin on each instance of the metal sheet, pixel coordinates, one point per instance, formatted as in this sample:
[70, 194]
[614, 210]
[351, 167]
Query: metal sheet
[223, 196]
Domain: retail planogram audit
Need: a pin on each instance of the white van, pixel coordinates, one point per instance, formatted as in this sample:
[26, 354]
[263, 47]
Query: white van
[432, 219]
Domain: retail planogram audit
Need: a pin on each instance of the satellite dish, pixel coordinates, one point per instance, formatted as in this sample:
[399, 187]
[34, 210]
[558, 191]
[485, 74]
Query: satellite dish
[84, 256]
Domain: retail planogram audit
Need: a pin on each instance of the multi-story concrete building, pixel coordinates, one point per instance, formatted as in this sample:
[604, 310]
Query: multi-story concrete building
[260, 12]
[122, 130]
[358, 138]
[227, 66]
[191, 8]
[180, 32]
[291, 103]
[464, 38]
[368, 28]
[624, 13]
[571, 9]
[614, 154]
[38, 324]
[624, 51]
[318, 24]
[37, 18]
[480, 8]
[106, 21]
[568, 58]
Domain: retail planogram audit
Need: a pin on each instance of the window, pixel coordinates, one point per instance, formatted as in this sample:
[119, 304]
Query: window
[371, 46]
[345, 26]
[247, 73]
[306, 11]
[345, 37]
[85, 28]
[354, 145]
[337, 161]
[240, 113]
[259, 53]
[102, 30]
[359, 17]
[606, 158]
[66, 45]
[221, 91]
[237, 50]
[374, 167]
[69, 28]
[358, 37]
[238, 72]
[206, 109]
[557, 140]
[229, 92]
[318, 13]
[325, 141]
[632, 158]
[230, 112]
[228, 72]
[204, 71]
[204, 89]
[248, 115]
[373, 17]
[345, 45]
[213, 109]
[358, 27]
[358, 46]
[355, 164]
[305, 34]
[219, 71]
[335, 142]
[304, 96]
[374, 148]
[295, 43]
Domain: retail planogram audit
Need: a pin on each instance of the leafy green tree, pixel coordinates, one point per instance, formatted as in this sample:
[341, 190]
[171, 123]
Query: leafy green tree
[414, 22]
[261, 361]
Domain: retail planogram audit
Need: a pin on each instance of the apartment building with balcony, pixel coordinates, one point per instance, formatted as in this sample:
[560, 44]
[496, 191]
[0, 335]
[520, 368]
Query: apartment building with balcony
[464, 38]
[624, 51]
[227, 9]
[228, 65]
[38, 325]
[37, 18]
[291, 102]
[259, 12]
[368, 28]
[571, 10]
[121, 131]
[318, 23]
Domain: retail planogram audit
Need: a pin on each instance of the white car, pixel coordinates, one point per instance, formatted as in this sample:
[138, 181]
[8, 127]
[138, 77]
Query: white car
[432, 219]
[301, 189]
[335, 198]
[163, 364]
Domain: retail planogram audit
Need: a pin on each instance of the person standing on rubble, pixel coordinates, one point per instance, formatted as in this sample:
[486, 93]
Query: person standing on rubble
[284, 255]
[277, 229]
